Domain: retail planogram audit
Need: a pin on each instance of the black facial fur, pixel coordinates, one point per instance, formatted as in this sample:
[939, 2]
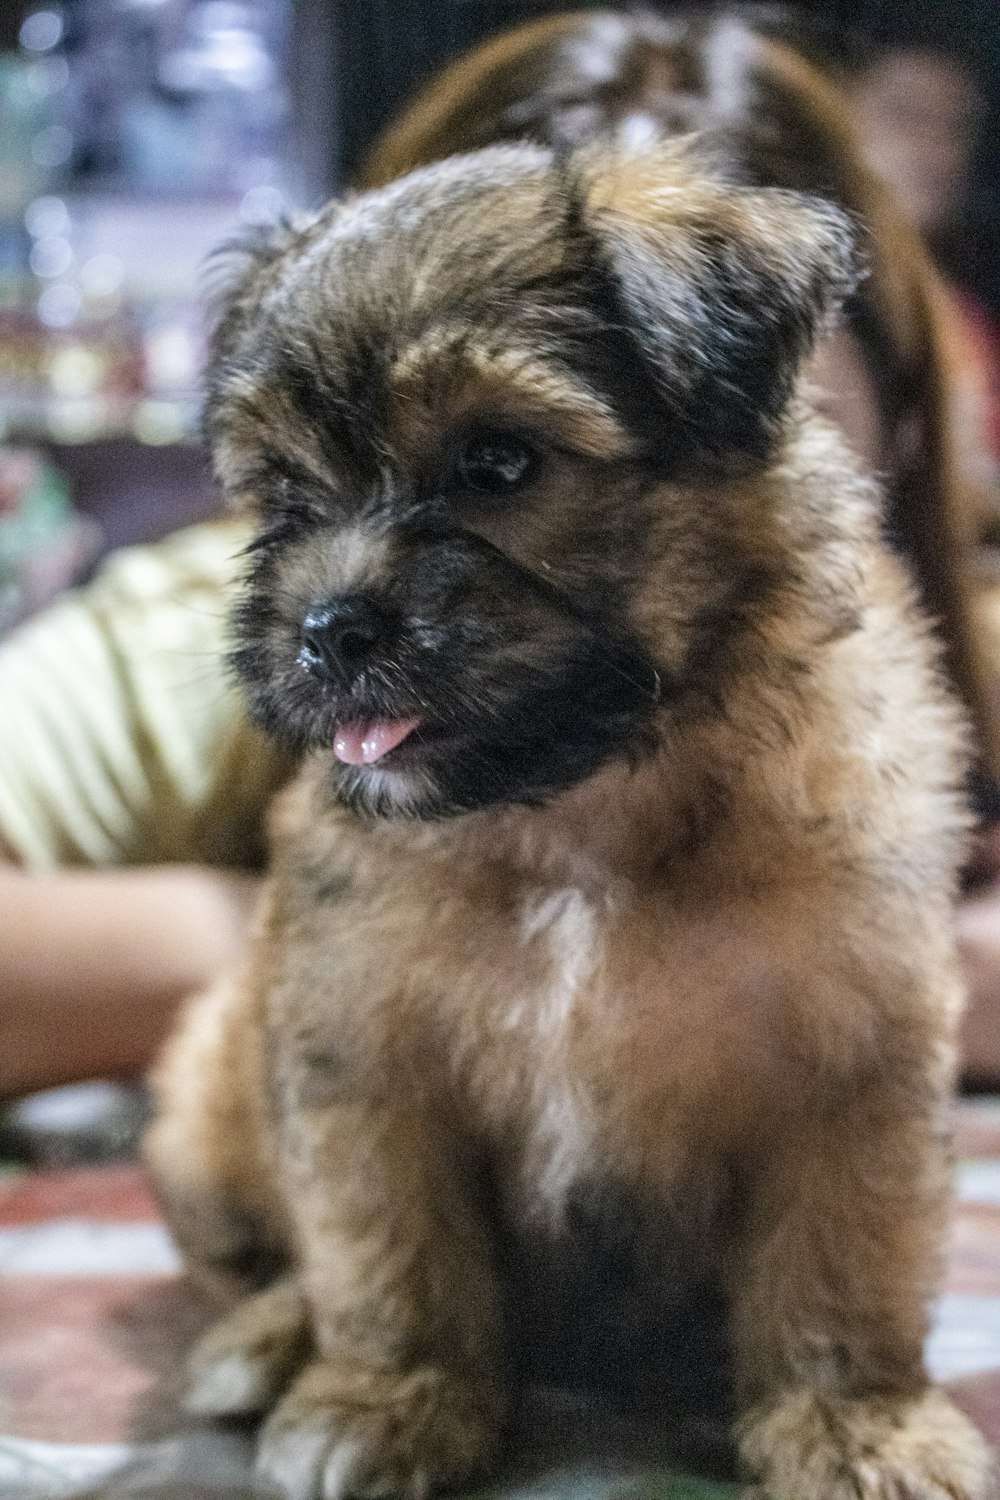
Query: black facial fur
[520, 691]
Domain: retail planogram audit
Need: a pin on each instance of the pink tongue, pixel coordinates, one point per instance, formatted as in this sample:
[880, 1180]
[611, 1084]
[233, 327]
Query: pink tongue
[360, 744]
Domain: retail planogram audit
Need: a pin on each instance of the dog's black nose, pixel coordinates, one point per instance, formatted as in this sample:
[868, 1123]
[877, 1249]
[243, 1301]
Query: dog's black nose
[340, 636]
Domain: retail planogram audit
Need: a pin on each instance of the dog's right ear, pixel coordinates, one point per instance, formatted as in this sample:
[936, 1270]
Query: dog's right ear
[231, 277]
[721, 288]
[234, 282]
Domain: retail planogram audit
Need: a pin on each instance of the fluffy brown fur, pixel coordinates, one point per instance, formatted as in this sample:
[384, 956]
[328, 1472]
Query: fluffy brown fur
[646, 923]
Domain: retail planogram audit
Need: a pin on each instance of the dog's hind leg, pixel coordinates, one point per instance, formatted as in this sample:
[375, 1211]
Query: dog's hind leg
[208, 1149]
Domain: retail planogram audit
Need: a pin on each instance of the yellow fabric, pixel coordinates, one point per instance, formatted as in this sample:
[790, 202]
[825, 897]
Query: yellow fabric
[122, 738]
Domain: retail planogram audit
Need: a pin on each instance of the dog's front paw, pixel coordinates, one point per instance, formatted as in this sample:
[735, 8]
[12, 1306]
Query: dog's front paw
[364, 1433]
[809, 1447]
[246, 1358]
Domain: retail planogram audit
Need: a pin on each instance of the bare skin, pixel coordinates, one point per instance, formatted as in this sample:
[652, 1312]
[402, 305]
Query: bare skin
[94, 993]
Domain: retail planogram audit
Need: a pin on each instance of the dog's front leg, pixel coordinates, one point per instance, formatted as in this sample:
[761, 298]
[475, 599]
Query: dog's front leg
[831, 1282]
[403, 1394]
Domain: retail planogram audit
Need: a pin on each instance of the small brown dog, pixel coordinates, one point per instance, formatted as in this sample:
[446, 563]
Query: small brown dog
[616, 882]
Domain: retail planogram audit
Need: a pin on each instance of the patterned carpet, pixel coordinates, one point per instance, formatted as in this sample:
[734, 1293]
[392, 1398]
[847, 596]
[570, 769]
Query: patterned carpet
[95, 1317]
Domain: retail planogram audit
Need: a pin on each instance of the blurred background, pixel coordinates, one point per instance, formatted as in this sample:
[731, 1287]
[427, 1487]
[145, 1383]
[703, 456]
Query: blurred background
[135, 136]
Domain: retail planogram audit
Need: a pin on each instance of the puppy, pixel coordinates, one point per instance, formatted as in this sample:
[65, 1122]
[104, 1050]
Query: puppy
[615, 886]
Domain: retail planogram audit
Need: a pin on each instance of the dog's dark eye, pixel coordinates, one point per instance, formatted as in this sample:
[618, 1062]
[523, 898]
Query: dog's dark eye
[493, 462]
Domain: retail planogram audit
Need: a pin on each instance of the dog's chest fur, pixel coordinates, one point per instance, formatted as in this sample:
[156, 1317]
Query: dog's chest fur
[579, 1031]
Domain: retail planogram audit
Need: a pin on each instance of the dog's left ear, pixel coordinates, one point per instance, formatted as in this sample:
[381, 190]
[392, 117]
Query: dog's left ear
[723, 289]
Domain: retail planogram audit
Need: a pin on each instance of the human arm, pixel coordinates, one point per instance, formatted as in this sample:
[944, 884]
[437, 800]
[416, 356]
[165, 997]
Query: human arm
[93, 964]
[132, 797]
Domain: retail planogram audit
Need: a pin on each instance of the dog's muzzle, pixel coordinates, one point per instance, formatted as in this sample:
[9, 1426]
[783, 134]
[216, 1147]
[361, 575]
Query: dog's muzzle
[341, 638]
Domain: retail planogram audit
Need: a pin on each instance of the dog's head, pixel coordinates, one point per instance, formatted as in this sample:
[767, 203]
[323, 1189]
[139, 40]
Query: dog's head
[495, 420]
